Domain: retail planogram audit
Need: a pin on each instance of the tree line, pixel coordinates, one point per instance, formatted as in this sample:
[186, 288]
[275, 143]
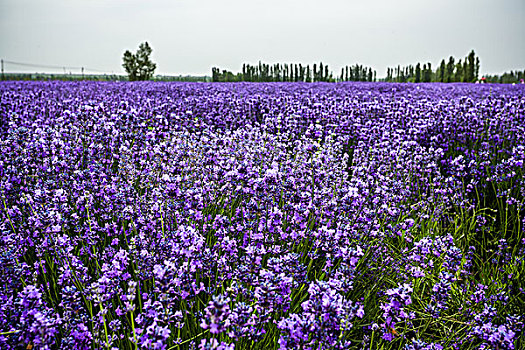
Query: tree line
[357, 73]
[140, 67]
[292, 72]
[279, 72]
[506, 78]
[466, 71]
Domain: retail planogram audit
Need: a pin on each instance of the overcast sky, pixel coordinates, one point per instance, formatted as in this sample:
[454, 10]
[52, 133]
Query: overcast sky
[192, 36]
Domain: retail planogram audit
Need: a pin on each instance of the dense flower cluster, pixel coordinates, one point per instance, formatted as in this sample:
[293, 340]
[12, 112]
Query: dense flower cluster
[292, 216]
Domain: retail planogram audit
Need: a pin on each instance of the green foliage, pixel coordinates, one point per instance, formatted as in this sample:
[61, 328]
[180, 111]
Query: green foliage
[466, 70]
[463, 70]
[441, 71]
[471, 67]
[139, 65]
[506, 78]
[418, 72]
[293, 72]
[450, 70]
[357, 73]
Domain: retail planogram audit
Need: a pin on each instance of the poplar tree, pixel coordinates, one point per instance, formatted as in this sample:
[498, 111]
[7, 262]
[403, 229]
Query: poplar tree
[458, 75]
[308, 73]
[442, 69]
[418, 73]
[476, 71]
[471, 69]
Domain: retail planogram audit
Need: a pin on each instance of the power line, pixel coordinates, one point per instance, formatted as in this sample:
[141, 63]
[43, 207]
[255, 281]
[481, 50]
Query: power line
[24, 64]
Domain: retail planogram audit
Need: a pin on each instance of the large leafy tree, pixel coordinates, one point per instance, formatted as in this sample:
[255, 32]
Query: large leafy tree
[139, 65]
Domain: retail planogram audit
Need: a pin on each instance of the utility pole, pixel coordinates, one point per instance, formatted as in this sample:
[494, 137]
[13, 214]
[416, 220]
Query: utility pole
[82, 73]
[2, 69]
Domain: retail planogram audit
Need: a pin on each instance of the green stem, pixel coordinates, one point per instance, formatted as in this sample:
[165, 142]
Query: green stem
[133, 328]
[105, 326]
[10, 332]
[188, 340]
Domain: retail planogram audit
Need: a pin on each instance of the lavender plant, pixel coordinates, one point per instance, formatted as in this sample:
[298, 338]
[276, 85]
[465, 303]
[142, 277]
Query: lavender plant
[261, 216]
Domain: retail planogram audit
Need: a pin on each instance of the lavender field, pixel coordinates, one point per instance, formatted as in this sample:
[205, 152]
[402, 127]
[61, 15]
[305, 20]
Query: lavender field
[261, 216]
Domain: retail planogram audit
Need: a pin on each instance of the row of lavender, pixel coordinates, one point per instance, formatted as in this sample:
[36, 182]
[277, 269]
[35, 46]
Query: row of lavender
[292, 216]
